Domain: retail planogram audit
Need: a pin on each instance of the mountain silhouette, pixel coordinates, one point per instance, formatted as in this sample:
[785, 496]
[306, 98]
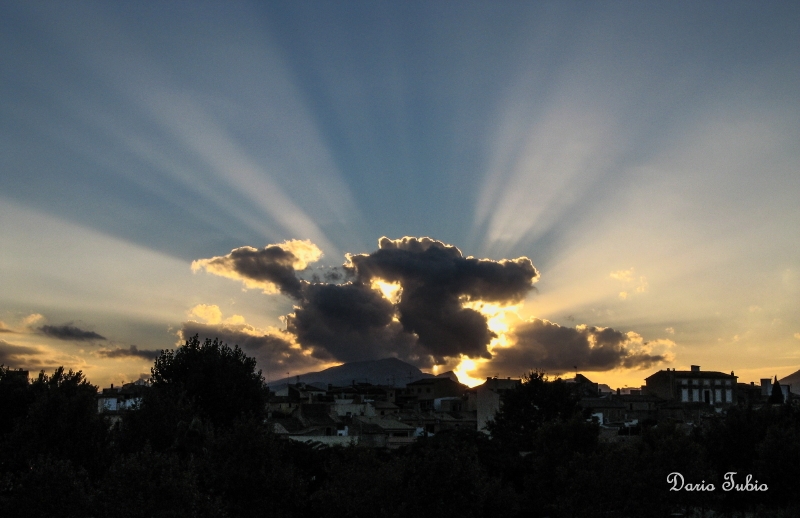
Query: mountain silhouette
[388, 371]
[793, 380]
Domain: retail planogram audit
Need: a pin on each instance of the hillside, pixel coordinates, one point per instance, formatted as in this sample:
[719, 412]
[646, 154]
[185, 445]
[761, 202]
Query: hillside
[388, 371]
[793, 380]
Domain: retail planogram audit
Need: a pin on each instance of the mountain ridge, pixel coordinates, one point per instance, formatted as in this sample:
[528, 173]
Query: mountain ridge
[386, 371]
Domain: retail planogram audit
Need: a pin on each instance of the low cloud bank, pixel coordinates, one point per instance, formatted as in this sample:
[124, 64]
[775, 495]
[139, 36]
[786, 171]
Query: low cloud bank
[417, 299]
[70, 333]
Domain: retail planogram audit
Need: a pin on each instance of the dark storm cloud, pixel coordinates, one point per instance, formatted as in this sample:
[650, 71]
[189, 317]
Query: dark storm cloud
[71, 333]
[132, 351]
[548, 346]
[271, 267]
[352, 320]
[15, 355]
[333, 275]
[272, 351]
[436, 280]
[349, 322]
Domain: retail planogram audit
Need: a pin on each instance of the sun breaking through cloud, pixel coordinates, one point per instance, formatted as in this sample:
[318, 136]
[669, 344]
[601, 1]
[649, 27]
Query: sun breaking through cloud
[417, 299]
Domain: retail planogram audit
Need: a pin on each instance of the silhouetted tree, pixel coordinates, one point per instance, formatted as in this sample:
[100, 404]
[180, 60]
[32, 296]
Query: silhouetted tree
[248, 469]
[220, 382]
[776, 397]
[197, 387]
[556, 444]
[15, 398]
[61, 422]
[150, 484]
[778, 462]
[528, 406]
[443, 476]
[47, 487]
[359, 483]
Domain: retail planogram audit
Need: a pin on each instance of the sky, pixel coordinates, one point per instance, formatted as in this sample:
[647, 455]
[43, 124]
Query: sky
[488, 187]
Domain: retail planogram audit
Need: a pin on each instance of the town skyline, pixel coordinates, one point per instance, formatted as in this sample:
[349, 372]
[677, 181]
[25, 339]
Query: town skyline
[488, 189]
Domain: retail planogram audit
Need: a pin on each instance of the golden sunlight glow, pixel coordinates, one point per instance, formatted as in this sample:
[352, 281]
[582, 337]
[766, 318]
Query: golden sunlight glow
[623, 275]
[303, 252]
[498, 319]
[465, 366]
[210, 313]
[390, 290]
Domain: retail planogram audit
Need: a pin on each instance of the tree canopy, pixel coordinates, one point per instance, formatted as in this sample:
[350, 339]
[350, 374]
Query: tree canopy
[527, 407]
[220, 383]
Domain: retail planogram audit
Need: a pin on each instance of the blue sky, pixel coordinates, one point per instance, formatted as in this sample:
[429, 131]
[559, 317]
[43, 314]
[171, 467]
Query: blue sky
[644, 157]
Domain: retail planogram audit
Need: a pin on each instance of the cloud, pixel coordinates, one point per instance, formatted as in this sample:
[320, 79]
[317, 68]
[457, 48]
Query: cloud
[31, 319]
[436, 281]
[210, 313]
[17, 355]
[4, 328]
[70, 332]
[272, 348]
[350, 322]
[546, 345]
[132, 351]
[271, 269]
[670, 330]
[797, 335]
[628, 277]
[426, 320]
[622, 275]
[419, 300]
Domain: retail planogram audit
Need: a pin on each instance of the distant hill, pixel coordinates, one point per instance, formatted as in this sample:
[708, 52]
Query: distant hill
[793, 380]
[389, 371]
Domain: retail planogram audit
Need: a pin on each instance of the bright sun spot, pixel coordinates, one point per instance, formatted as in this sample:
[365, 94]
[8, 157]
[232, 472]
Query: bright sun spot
[466, 365]
[390, 290]
[497, 319]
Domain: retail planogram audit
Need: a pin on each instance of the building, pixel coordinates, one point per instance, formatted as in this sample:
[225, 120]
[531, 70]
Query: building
[693, 386]
[111, 402]
[767, 386]
[604, 410]
[582, 386]
[428, 390]
[489, 398]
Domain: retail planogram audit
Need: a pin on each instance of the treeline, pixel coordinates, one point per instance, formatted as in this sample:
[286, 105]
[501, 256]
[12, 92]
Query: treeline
[198, 446]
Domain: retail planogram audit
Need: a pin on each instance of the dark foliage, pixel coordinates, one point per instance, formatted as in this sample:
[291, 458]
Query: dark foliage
[148, 484]
[61, 422]
[776, 396]
[184, 453]
[219, 382]
[526, 408]
[15, 398]
[249, 470]
[44, 487]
